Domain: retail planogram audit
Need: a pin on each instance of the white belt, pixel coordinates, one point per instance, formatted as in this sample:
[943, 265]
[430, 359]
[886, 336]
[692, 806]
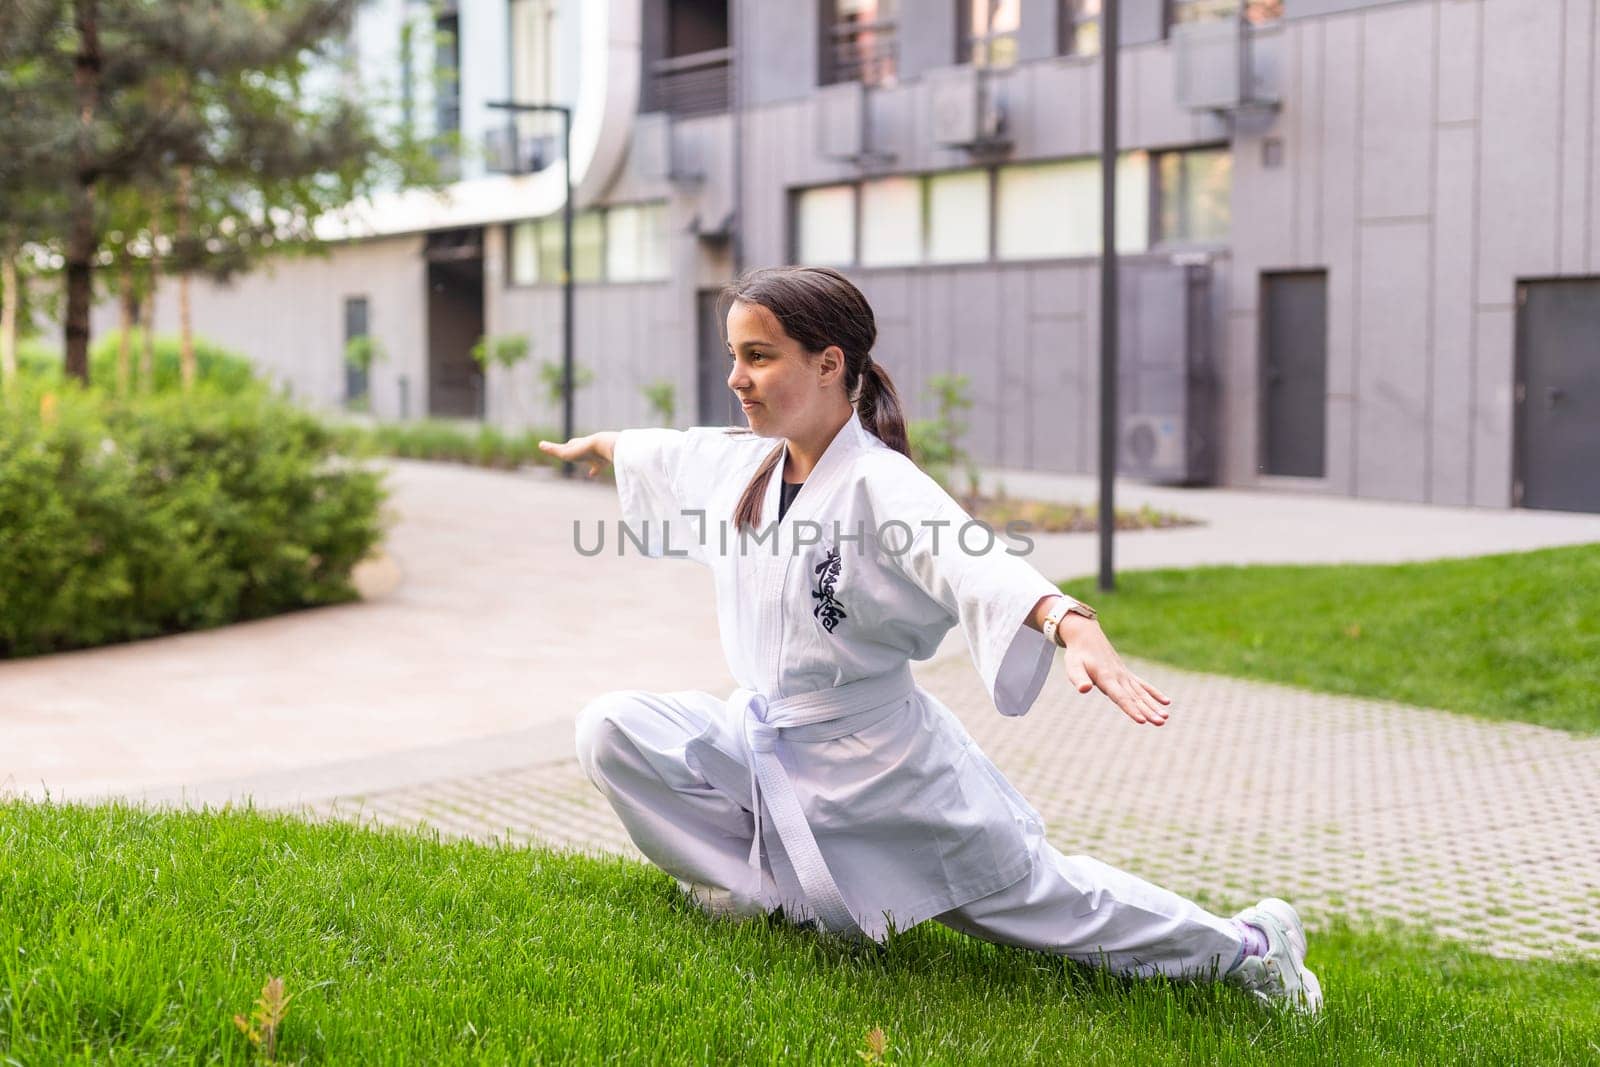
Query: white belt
[821, 716]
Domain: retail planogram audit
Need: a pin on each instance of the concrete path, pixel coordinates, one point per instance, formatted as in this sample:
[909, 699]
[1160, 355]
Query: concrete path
[451, 698]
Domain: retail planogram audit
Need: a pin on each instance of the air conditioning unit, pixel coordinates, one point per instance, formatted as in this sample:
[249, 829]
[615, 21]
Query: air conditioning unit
[966, 109]
[1221, 65]
[1152, 445]
[1166, 381]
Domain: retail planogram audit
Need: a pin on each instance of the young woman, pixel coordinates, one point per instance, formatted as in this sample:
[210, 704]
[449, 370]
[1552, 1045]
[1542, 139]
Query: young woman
[828, 784]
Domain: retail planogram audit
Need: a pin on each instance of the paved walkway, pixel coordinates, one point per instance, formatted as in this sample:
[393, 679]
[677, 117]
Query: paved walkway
[450, 699]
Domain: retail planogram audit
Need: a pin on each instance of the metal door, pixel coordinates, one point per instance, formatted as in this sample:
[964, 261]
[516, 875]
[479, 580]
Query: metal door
[1558, 395]
[714, 403]
[1294, 373]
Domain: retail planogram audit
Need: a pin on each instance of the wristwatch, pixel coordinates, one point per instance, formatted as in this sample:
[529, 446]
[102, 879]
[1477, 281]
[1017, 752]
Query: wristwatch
[1064, 606]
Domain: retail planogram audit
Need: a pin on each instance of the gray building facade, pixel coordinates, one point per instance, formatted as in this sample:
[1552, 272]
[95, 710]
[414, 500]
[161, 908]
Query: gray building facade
[1361, 239]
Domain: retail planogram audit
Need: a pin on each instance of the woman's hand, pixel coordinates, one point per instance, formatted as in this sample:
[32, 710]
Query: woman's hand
[1093, 664]
[596, 449]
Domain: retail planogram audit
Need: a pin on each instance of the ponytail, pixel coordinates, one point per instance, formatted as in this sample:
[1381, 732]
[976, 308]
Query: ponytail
[879, 408]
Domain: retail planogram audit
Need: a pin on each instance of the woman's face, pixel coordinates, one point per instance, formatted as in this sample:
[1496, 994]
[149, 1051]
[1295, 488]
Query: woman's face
[783, 389]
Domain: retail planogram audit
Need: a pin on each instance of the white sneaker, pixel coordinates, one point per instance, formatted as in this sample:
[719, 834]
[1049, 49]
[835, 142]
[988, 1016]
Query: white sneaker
[1280, 977]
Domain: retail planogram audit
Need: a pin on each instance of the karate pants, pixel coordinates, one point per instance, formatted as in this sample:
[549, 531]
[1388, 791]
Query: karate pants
[632, 746]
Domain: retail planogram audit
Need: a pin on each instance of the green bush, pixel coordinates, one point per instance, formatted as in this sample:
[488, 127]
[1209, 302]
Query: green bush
[222, 370]
[435, 439]
[128, 519]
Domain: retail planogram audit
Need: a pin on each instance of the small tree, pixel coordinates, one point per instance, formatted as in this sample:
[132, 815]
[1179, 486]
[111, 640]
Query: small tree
[662, 396]
[552, 377]
[936, 442]
[505, 351]
[361, 352]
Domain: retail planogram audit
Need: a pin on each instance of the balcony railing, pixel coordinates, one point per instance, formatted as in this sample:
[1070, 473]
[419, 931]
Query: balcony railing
[860, 51]
[695, 84]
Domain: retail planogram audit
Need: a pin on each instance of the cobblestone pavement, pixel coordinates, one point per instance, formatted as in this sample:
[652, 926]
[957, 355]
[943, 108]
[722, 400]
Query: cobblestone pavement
[1488, 833]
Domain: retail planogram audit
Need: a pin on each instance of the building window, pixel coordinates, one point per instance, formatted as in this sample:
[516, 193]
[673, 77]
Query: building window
[1080, 27]
[956, 218]
[447, 98]
[825, 226]
[1255, 12]
[1194, 192]
[891, 222]
[688, 57]
[627, 243]
[1052, 210]
[988, 32]
[636, 243]
[858, 41]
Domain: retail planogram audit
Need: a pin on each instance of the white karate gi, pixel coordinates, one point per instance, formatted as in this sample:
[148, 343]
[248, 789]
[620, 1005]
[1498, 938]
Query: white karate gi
[877, 809]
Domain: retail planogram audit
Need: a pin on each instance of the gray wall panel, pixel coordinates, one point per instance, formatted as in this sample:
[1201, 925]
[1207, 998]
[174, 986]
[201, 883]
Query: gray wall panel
[1141, 21]
[1577, 112]
[1592, 234]
[1459, 27]
[1011, 365]
[1492, 408]
[1397, 93]
[1302, 108]
[1521, 94]
[1238, 398]
[1041, 29]
[1295, 9]
[1160, 122]
[1341, 114]
[1455, 216]
[1392, 425]
[926, 36]
[781, 41]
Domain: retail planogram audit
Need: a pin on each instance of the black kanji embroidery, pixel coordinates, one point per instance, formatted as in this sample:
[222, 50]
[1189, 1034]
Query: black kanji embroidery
[827, 609]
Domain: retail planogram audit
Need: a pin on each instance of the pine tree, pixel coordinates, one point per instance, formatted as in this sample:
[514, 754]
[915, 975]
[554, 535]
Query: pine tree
[206, 102]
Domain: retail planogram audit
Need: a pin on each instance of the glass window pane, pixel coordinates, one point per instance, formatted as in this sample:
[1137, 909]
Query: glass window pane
[891, 222]
[622, 244]
[1080, 27]
[825, 223]
[588, 247]
[1133, 202]
[655, 249]
[1053, 209]
[1196, 192]
[1050, 209]
[549, 230]
[958, 217]
[524, 253]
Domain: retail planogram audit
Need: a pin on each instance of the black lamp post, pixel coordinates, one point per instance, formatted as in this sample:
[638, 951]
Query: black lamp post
[1108, 292]
[566, 257]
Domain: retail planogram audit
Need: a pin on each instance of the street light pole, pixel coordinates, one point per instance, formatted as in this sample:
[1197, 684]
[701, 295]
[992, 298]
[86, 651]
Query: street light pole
[1108, 293]
[566, 258]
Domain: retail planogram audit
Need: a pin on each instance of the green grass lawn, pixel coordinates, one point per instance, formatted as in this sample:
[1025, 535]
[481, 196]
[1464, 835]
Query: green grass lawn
[131, 937]
[1504, 637]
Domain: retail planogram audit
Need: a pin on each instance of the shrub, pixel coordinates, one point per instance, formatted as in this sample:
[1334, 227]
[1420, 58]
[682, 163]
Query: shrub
[129, 519]
[221, 369]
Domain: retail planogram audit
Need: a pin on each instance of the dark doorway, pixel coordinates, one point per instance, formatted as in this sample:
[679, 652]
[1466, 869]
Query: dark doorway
[1294, 373]
[714, 401]
[1558, 395]
[355, 325]
[455, 323]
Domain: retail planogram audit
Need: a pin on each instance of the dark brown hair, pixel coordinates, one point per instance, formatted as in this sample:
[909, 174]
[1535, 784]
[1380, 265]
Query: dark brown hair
[818, 307]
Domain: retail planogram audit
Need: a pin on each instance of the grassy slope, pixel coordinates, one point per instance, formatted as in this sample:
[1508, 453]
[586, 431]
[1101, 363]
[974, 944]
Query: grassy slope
[135, 936]
[1504, 637]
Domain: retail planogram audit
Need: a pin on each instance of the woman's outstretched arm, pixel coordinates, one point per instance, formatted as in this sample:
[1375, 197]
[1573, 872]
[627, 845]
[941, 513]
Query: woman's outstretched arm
[1092, 663]
[596, 449]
